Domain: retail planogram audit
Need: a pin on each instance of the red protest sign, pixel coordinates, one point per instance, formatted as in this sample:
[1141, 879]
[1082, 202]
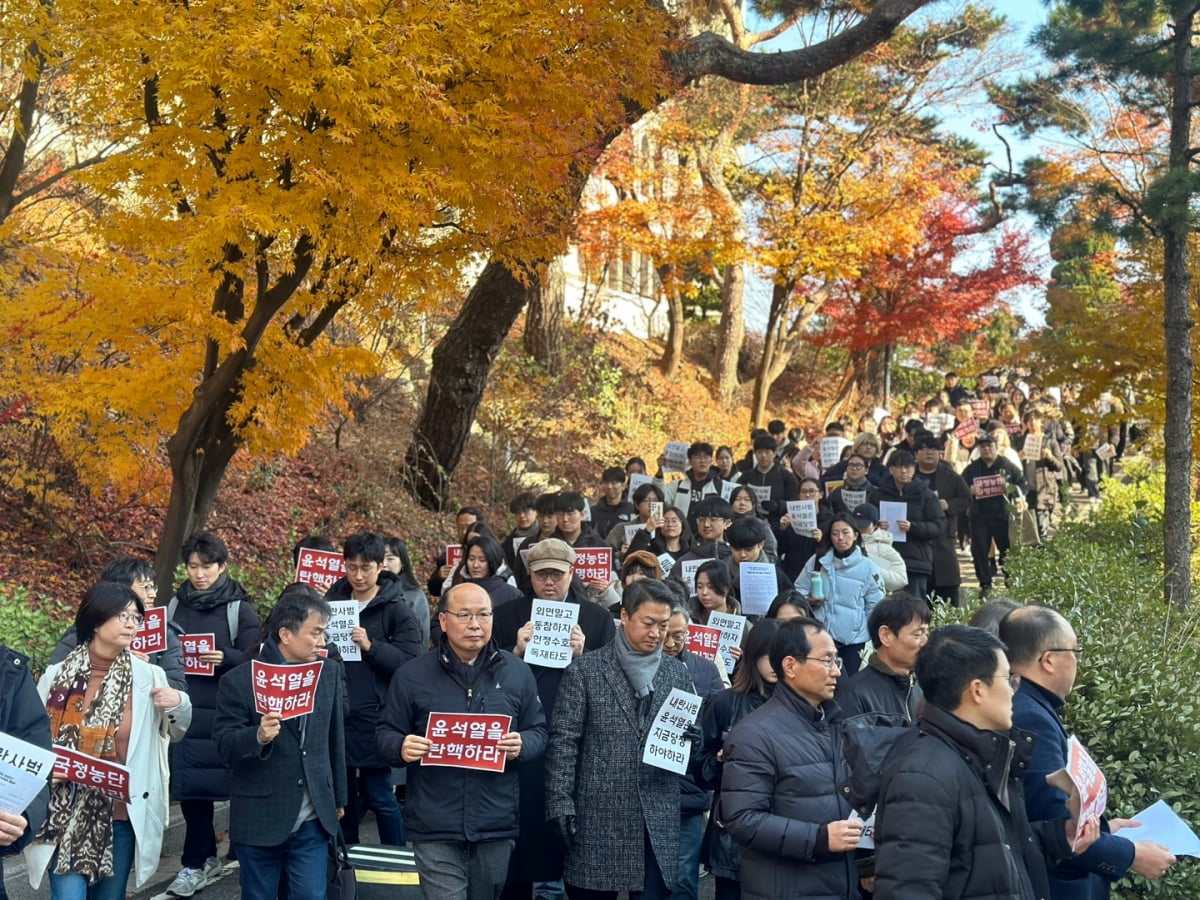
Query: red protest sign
[966, 429]
[152, 633]
[466, 741]
[320, 568]
[1013, 428]
[193, 646]
[981, 410]
[704, 641]
[989, 486]
[454, 554]
[109, 778]
[593, 563]
[290, 691]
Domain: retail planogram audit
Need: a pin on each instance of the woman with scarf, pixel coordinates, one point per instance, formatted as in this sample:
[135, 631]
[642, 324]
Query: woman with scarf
[105, 703]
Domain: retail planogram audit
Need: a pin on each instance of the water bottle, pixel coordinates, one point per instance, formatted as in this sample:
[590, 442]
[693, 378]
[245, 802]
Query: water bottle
[816, 590]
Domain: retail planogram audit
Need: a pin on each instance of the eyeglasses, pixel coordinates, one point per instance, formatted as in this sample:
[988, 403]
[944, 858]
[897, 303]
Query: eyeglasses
[128, 618]
[148, 587]
[831, 663]
[676, 637]
[1013, 679]
[1078, 651]
[855, 466]
[464, 616]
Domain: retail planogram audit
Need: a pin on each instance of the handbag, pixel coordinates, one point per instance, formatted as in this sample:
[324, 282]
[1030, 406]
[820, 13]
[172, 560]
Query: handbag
[340, 883]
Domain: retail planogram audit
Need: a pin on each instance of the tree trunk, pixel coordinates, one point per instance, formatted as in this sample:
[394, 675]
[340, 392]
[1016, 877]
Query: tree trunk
[1177, 325]
[544, 316]
[769, 367]
[733, 329]
[462, 361]
[870, 376]
[673, 351]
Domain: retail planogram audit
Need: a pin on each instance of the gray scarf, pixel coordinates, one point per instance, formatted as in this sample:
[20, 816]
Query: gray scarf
[639, 668]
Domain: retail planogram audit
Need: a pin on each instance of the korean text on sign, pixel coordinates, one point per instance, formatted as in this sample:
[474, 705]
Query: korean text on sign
[454, 554]
[320, 568]
[109, 778]
[193, 645]
[152, 633]
[593, 563]
[343, 619]
[466, 741]
[704, 641]
[989, 486]
[550, 645]
[24, 770]
[290, 691]
[732, 627]
[666, 747]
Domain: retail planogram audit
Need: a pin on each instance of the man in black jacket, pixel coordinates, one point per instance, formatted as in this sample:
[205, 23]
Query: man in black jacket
[462, 822]
[954, 498]
[899, 627]
[989, 479]
[924, 524]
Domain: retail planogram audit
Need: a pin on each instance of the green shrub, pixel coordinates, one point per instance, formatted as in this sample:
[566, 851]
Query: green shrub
[32, 626]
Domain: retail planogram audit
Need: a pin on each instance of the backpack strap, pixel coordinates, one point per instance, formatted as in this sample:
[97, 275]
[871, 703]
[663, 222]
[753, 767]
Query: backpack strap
[232, 611]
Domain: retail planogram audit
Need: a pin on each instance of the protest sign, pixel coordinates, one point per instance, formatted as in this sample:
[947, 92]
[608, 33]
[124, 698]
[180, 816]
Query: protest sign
[727, 487]
[1013, 428]
[466, 740]
[667, 562]
[454, 554]
[893, 512]
[989, 486]
[759, 585]
[152, 633]
[290, 690]
[656, 509]
[966, 429]
[631, 530]
[831, 451]
[687, 571]
[803, 514]
[193, 645]
[593, 564]
[732, 627]
[675, 458]
[1106, 451]
[24, 769]
[109, 778]
[981, 410]
[636, 480]
[550, 645]
[990, 381]
[704, 641]
[343, 618]
[1083, 783]
[762, 492]
[666, 747]
[320, 568]
[1031, 449]
[853, 499]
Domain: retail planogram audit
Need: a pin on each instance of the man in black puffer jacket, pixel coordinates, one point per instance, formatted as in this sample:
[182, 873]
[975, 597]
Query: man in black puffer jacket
[951, 820]
[22, 715]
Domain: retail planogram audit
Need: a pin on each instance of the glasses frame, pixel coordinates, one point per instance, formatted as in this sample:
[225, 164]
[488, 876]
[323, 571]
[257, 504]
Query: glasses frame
[463, 616]
[833, 664]
[128, 618]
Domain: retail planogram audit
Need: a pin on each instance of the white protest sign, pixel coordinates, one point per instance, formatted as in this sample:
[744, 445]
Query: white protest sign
[517, 542]
[631, 530]
[759, 585]
[666, 747]
[831, 451]
[803, 514]
[667, 562]
[656, 509]
[675, 458]
[1031, 450]
[866, 840]
[732, 627]
[727, 487]
[687, 571]
[853, 499]
[343, 617]
[636, 480]
[1106, 452]
[762, 492]
[892, 512]
[24, 771]
[551, 642]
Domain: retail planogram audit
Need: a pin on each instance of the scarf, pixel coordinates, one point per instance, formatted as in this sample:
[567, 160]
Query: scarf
[639, 668]
[80, 818]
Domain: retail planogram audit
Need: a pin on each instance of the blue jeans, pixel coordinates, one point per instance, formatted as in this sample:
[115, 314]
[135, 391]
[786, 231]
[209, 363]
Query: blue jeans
[304, 856]
[75, 887]
[375, 788]
[691, 835]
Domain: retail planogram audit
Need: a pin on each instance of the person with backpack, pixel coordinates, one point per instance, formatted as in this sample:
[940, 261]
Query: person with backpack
[209, 602]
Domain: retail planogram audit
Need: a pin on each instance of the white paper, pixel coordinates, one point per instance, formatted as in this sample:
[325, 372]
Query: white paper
[759, 586]
[866, 840]
[892, 512]
[551, 643]
[853, 499]
[1162, 825]
[831, 451]
[631, 530]
[803, 514]
[761, 491]
[727, 487]
[517, 542]
[1031, 450]
[636, 480]
[676, 456]
[667, 561]
[687, 571]
[665, 745]
[24, 771]
[732, 627]
[343, 616]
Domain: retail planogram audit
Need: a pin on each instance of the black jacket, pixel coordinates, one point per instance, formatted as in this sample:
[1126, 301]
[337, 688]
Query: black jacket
[992, 507]
[395, 637]
[450, 804]
[877, 690]
[949, 486]
[23, 715]
[604, 517]
[928, 523]
[951, 821]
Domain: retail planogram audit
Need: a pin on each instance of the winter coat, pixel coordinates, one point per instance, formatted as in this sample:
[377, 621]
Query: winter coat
[23, 715]
[415, 599]
[992, 508]
[594, 771]
[928, 523]
[500, 589]
[451, 804]
[683, 493]
[1041, 474]
[949, 486]
[395, 636]
[605, 517]
[719, 714]
[783, 484]
[169, 660]
[197, 770]
[942, 828]
[795, 551]
[878, 547]
[876, 690]
[853, 585]
[783, 766]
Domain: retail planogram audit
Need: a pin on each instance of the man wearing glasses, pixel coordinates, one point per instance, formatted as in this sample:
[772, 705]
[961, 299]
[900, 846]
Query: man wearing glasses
[1044, 650]
[779, 791]
[462, 822]
[951, 820]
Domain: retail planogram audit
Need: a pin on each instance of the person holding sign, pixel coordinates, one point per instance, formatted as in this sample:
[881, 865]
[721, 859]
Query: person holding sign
[1041, 458]
[951, 820]
[288, 779]
[923, 521]
[22, 717]
[462, 819]
[669, 536]
[617, 815]
[611, 508]
[620, 537]
[989, 478]
[782, 768]
[1044, 650]
[107, 705]
[744, 503]
[698, 482]
[768, 473]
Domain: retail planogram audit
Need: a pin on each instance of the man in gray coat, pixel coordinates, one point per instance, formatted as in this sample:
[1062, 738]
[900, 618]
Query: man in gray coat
[604, 801]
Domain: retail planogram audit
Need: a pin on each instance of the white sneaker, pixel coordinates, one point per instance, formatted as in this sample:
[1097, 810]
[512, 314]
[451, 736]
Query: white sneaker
[212, 869]
[187, 882]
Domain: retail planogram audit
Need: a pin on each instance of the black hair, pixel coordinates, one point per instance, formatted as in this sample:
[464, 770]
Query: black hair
[102, 602]
[393, 544]
[765, 442]
[991, 614]
[912, 426]
[679, 592]
[901, 458]
[364, 545]
[635, 460]
[613, 473]
[1030, 633]
[925, 440]
[745, 489]
[545, 504]
[896, 611]
[745, 533]
[714, 507]
[954, 657]
[718, 576]
[776, 426]
[792, 640]
[685, 531]
[295, 604]
[127, 570]
[645, 591]
[834, 428]
[700, 448]
[491, 550]
[569, 501]
[789, 598]
[470, 511]
[726, 448]
[481, 529]
[644, 490]
[757, 643]
[523, 501]
[206, 545]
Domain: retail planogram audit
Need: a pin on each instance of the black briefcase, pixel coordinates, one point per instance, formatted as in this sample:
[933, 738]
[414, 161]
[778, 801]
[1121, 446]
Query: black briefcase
[385, 872]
